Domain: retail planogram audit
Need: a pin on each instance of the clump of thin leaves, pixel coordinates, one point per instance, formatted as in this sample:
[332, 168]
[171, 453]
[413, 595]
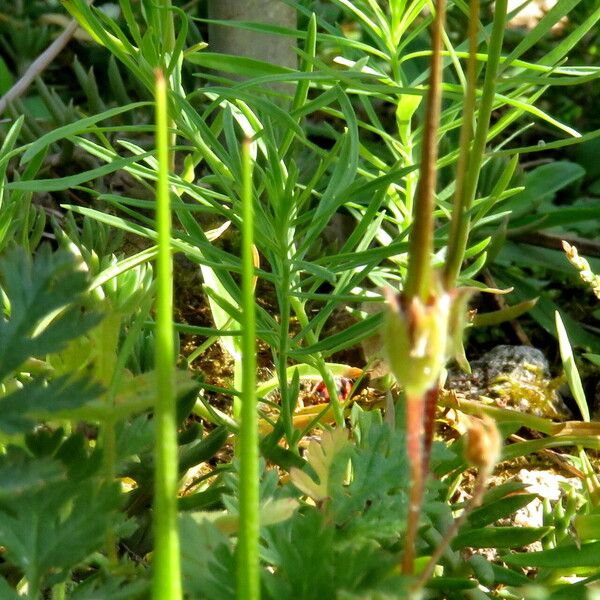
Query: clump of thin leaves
[329, 172]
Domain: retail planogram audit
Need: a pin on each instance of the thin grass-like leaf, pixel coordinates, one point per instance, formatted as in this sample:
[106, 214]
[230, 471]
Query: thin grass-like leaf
[563, 557]
[549, 20]
[570, 368]
[76, 127]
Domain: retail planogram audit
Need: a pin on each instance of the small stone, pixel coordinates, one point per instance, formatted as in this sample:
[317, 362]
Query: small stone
[522, 362]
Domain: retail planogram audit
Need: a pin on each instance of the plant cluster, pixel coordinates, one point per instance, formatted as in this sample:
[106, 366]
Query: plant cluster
[122, 473]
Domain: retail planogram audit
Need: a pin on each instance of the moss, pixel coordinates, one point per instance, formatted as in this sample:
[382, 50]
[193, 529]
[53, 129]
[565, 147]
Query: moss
[534, 393]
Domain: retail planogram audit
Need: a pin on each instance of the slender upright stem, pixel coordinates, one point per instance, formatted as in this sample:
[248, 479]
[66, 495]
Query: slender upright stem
[107, 343]
[418, 279]
[414, 442]
[282, 355]
[460, 234]
[419, 282]
[324, 372]
[430, 405]
[466, 134]
[167, 571]
[248, 565]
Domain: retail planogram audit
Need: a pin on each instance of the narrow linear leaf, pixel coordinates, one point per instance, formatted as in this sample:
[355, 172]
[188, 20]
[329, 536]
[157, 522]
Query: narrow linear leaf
[505, 314]
[73, 128]
[500, 537]
[568, 362]
[563, 557]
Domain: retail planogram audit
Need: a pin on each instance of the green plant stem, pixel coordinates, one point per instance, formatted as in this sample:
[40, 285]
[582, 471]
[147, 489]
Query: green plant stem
[160, 19]
[462, 166]
[107, 343]
[33, 588]
[418, 278]
[167, 27]
[248, 565]
[591, 480]
[282, 357]
[167, 572]
[458, 241]
[238, 378]
[320, 364]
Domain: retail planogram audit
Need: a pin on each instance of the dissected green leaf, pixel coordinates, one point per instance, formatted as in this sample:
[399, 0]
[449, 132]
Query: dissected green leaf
[55, 528]
[116, 588]
[378, 485]
[38, 401]
[19, 475]
[322, 456]
[43, 294]
[333, 565]
[206, 559]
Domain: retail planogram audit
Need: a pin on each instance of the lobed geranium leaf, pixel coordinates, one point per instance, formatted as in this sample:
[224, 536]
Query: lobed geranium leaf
[19, 475]
[322, 456]
[377, 489]
[53, 529]
[43, 293]
[115, 588]
[206, 559]
[39, 401]
[335, 566]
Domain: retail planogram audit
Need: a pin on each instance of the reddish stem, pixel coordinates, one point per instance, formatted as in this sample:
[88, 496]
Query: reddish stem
[414, 433]
[431, 398]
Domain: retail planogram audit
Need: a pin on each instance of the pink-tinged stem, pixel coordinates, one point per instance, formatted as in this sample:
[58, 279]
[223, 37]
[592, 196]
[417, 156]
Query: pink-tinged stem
[431, 398]
[414, 433]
